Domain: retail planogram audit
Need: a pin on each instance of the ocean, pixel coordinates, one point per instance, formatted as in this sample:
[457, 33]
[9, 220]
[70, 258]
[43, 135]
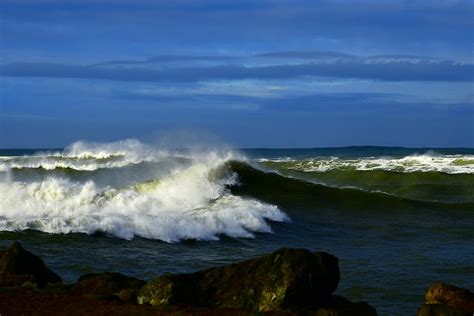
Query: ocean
[398, 219]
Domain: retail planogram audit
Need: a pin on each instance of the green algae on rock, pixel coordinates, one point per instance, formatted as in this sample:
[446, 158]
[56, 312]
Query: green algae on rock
[444, 299]
[285, 279]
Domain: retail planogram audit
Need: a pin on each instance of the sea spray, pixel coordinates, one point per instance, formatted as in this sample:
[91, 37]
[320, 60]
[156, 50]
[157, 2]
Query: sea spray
[185, 201]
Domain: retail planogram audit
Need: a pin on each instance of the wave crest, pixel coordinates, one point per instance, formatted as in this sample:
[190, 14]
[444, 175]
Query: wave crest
[188, 202]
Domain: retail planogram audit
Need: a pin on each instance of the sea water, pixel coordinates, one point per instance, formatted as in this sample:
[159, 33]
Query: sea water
[398, 219]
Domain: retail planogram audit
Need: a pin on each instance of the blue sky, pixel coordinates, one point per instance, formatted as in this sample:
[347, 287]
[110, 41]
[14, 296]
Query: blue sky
[267, 73]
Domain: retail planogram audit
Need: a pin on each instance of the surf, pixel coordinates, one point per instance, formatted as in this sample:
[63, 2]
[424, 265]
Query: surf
[129, 189]
[177, 197]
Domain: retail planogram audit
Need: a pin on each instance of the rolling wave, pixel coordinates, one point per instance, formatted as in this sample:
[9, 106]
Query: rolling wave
[427, 186]
[288, 192]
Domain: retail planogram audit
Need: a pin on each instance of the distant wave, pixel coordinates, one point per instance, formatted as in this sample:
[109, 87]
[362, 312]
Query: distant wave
[451, 164]
[83, 156]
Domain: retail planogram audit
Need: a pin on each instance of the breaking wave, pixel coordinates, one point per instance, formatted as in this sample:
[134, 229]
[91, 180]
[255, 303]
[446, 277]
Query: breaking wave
[178, 195]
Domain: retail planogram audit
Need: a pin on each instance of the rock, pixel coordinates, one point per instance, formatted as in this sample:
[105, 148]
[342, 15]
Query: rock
[438, 310]
[354, 309]
[285, 279]
[108, 285]
[444, 299]
[339, 306]
[19, 266]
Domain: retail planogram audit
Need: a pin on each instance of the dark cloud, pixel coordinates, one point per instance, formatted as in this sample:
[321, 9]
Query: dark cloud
[309, 56]
[164, 59]
[384, 70]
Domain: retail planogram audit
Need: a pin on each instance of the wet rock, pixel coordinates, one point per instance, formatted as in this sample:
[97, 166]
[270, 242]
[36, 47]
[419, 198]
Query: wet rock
[339, 306]
[444, 299]
[108, 285]
[285, 279]
[438, 310]
[19, 266]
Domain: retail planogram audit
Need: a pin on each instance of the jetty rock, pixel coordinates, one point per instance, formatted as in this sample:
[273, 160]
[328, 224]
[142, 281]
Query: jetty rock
[287, 279]
[19, 267]
[444, 299]
[108, 286]
[285, 282]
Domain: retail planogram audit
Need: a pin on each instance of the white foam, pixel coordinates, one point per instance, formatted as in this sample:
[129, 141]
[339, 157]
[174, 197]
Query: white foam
[187, 203]
[83, 156]
[452, 164]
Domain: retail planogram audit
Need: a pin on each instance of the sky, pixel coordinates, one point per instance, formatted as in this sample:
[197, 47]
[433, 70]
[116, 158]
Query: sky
[268, 73]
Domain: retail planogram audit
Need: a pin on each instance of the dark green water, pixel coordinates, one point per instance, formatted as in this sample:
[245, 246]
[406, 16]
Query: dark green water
[398, 219]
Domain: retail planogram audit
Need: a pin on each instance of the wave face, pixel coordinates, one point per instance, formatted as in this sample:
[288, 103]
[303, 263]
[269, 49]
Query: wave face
[128, 189]
[295, 193]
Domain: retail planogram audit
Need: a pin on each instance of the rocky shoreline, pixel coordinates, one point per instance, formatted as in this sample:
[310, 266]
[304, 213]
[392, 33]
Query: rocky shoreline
[285, 282]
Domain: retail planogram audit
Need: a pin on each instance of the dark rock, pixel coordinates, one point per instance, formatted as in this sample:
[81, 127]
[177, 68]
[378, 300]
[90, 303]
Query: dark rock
[19, 266]
[285, 279]
[444, 299]
[438, 310]
[354, 309]
[108, 285]
[339, 306]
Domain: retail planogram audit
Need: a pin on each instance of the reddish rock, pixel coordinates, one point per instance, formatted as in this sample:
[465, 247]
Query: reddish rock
[108, 285]
[19, 266]
[285, 279]
[444, 299]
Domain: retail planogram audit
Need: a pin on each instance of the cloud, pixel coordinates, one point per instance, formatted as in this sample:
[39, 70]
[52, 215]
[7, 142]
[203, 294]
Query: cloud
[384, 68]
[444, 27]
[306, 55]
[164, 59]
[349, 103]
[273, 58]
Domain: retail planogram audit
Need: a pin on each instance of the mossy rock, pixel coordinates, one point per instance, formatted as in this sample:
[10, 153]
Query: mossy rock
[449, 300]
[285, 279]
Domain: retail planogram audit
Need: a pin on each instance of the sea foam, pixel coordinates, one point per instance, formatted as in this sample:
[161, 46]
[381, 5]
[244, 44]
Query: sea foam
[429, 162]
[188, 202]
